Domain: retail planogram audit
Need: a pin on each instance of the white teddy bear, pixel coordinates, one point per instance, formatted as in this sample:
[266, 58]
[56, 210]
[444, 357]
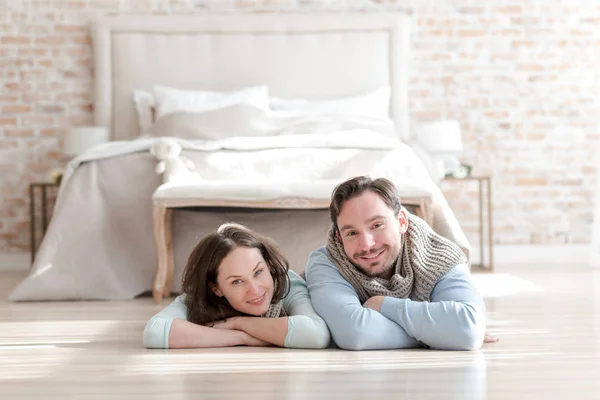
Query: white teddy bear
[174, 167]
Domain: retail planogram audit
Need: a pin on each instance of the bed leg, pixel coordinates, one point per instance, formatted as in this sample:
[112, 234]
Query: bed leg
[169, 248]
[162, 230]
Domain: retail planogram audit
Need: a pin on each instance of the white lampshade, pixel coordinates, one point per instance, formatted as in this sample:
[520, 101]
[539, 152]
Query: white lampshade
[80, 139]
[440, 137]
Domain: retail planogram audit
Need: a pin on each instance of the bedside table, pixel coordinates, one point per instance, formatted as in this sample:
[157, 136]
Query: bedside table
[485, 208]
[44, 188]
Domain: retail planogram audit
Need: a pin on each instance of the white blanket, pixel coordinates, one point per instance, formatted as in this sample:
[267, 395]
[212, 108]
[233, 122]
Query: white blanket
[100, 243]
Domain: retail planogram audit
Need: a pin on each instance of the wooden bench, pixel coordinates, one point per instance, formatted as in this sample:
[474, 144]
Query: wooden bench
[162, 215]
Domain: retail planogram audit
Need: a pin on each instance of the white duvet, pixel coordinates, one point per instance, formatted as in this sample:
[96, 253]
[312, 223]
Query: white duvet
[100, 243]
[304, 156]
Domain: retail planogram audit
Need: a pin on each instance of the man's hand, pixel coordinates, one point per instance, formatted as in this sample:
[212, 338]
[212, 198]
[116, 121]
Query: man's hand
[489, 339]
[374, 303]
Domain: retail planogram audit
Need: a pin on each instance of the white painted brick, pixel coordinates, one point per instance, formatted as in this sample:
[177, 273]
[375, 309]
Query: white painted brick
[523, 78]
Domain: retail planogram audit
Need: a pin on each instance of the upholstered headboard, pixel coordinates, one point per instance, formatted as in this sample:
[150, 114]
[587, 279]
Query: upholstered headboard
[312, 56]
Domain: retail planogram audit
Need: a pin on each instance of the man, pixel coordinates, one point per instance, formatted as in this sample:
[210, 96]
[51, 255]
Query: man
[386, 280]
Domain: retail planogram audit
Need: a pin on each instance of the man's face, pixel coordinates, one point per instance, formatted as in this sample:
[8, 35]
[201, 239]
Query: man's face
[371, 234]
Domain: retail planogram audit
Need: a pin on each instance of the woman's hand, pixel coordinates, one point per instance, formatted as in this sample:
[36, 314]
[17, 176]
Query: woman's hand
[229, 323]
[252, 341]
[271, 331]
[234, 324]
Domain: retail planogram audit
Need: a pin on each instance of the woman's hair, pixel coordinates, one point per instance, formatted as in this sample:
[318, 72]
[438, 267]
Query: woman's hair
[202, 268]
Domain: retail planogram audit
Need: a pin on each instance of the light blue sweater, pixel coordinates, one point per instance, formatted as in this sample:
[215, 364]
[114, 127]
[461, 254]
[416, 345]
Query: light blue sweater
[454, 319]
[305, 328]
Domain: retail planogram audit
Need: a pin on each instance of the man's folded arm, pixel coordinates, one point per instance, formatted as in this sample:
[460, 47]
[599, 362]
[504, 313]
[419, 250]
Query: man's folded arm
[352, 326]
[454, 319]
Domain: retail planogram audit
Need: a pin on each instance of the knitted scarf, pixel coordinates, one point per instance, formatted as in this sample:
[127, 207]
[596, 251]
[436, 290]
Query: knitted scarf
[275, 310]
[425, 257]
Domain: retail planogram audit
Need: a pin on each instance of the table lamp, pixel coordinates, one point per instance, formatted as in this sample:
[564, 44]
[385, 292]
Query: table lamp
[442, 143]
[79, 139]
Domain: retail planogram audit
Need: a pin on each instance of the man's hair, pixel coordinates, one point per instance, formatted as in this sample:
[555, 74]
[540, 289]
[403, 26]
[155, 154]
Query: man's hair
[358, 185]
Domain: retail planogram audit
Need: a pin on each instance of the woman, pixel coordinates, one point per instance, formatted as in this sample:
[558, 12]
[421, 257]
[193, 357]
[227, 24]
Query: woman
[238, 290]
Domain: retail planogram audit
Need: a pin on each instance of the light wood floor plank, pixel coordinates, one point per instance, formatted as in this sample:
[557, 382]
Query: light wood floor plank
[547, 319]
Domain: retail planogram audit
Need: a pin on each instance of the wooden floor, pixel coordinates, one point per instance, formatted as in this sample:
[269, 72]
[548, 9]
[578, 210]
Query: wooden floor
[547, 319]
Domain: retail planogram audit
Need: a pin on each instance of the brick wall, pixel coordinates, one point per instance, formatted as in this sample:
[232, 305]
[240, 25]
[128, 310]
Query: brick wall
[521, 76]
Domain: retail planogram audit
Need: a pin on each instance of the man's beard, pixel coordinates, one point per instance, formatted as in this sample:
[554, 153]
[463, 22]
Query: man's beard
[389, 265]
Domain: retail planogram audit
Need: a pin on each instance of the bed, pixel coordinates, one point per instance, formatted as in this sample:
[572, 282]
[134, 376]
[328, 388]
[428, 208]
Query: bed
[100, 243]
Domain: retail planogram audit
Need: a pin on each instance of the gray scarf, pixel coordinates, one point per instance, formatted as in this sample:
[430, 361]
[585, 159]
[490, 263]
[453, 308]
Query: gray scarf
[275, 310]
[425, 257]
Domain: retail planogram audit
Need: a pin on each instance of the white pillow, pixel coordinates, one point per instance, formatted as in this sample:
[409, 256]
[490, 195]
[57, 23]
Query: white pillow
[238, 120]
[375, 104]
[144, 105]
[169, 100]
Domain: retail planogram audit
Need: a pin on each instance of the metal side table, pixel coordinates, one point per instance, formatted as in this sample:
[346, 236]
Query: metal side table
[43, 188]
[485, 208]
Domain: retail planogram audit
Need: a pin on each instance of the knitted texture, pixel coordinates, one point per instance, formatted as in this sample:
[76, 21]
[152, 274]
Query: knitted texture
[275, 310]
[425, 257]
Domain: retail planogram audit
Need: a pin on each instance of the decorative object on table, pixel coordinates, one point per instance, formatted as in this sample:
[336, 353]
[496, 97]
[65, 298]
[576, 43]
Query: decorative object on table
[463, 171]
[174, 167]
[56, 175]
[438, 144]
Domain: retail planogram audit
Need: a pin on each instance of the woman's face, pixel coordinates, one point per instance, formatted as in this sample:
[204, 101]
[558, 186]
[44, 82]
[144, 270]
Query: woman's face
[244, 279]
